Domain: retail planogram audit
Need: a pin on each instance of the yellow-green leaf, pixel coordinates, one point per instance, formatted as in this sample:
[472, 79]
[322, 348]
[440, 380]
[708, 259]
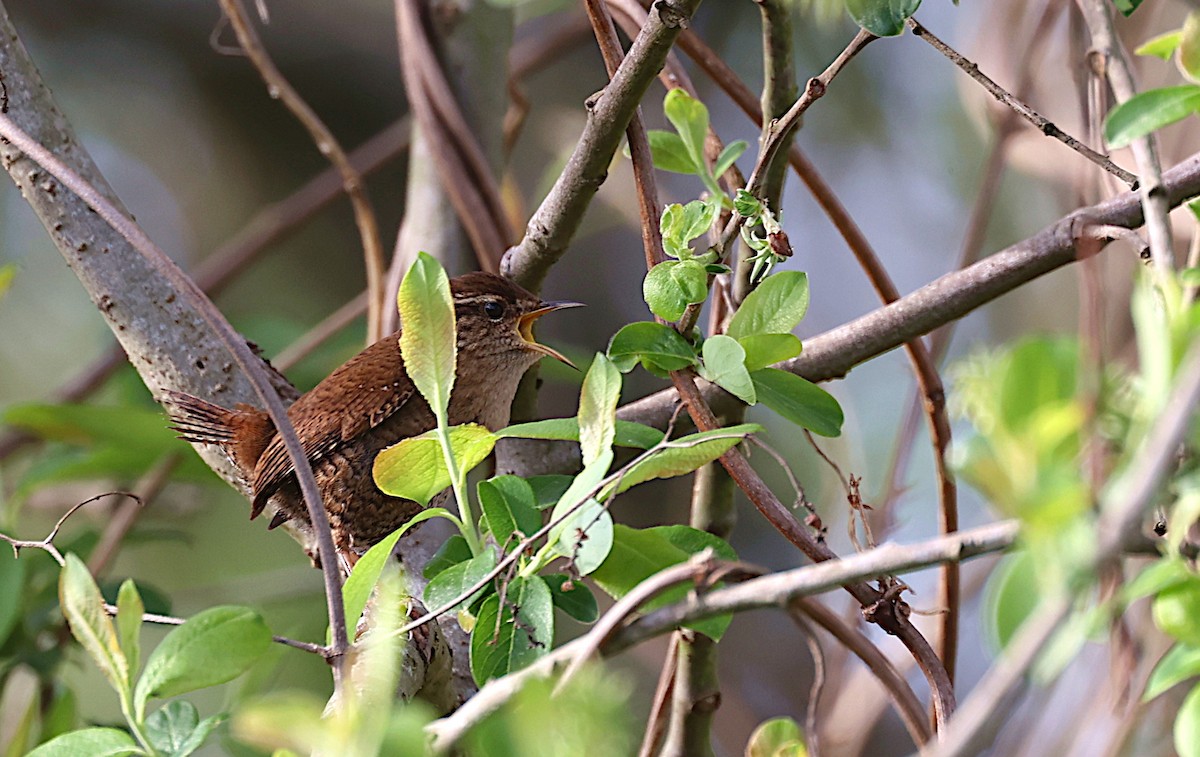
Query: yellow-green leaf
[686, 455]
[416, 469]
[427, 339]
[598, 408]
[129, 625]
[83, 607]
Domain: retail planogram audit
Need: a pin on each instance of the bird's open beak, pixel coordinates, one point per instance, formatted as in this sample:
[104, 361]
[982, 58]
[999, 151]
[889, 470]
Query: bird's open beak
[525, 327]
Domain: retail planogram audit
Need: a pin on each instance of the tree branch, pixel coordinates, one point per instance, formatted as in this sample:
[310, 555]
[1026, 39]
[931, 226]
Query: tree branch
[833, 354]
[774, 590]
[554, 224]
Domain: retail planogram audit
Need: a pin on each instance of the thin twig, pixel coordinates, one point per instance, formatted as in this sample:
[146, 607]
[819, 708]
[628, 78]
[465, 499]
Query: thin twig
[1040, 122]
[908, 707]
[877, 607]
[558, 217]
[1108, 60]
[47, 544]
[364, 214]
[773, 590]
[656, 721]
[776, 137]
[249, 363]
[1123, 504]
[811, 719]
[635, 134]
[834, 353]
[465, 173]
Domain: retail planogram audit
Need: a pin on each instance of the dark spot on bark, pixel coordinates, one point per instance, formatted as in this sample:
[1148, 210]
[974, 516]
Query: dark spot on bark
[82, 247]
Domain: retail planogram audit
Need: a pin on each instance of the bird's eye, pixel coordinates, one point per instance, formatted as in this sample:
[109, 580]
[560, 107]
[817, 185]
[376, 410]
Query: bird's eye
[493, 309]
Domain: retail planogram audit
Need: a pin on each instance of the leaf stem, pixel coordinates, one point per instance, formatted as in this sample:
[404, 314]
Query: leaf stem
[466, 517]
[135, 718]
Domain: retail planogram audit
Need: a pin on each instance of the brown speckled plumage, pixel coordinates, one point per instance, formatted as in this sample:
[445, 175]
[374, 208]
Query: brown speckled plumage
[370, 403]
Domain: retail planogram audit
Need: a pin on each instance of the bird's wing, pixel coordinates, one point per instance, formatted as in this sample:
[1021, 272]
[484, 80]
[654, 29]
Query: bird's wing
[355, 398]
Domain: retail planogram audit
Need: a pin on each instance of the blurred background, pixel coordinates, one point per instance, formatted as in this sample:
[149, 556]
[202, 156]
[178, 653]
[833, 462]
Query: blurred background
[196, 149]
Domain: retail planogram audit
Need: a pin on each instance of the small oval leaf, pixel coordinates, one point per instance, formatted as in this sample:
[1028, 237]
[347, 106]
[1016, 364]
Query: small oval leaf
[764, 350]
[653, 343]
[775, 307]
[212, 647]
[725, 366]
[502, 643]
[800, 401]
[1149, 110]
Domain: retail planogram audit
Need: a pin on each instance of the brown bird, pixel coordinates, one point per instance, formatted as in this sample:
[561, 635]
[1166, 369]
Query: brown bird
[369, 404]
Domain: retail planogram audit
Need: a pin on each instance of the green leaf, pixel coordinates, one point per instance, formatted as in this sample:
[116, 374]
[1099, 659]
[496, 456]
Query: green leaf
[550, 488]
[883, 18]
[117, 441]
[690, 118]
[1126, 6]
[12, 579]
[453, 581]
[453, 551]
[416, 469]
[680, 224]
[652, 343]
[584, 537]
[578, 601]
[725, 366]
[83, 607]
[502, 643]
[212, 647]
[685, 455]
[799, 401]
[93, 742]
[638, 554]
[670, 153]
[1187, 725]
[728, 156]
[777, 737]
[358, 587]
[129, 625]
[747, 205]
[1190, 276]
[1159, 576]
[1149, 110]
[1176, 611]
[1011, 595]
[598, 408]
[427, 340]
[1180, 663]
[775, 307]
[1187, 55]
[627, 433]
[672, 285]
[1163, 46]
[510, 507]
[176, 730]
[764, 350]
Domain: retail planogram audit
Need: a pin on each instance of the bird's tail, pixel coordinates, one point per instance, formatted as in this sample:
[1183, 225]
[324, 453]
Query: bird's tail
[243, 432]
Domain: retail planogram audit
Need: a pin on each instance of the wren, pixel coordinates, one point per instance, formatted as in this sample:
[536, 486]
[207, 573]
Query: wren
[370, 403]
